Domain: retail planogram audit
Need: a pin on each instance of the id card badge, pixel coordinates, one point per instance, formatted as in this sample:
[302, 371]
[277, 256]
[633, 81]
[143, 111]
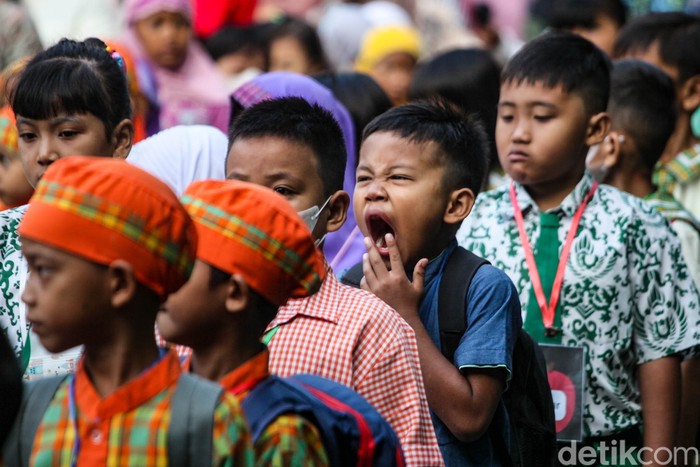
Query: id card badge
[565, 371]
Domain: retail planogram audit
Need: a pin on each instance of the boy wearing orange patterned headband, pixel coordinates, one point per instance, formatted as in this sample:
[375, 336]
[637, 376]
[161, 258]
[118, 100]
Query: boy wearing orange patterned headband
[15, 190]
[106, 243]
[254, 254]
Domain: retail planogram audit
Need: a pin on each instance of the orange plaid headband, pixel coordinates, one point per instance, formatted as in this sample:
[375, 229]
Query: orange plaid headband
[251, 230]
[105, 209]
[8, 131]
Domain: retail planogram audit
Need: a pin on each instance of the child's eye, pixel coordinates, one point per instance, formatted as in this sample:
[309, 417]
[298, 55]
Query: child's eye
[68, 133]
[40, 270]
[27, 137]
[362, 178]
[284, 191]
[398, 177]
[506, 118]
[543, 118]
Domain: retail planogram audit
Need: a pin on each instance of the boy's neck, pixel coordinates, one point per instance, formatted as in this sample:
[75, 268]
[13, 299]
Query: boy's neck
[221, 355]
[681, 139]
[116, 361]
[550, 195]
[637, 183]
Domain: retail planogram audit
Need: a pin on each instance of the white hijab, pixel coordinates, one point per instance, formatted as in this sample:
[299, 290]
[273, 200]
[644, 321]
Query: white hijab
[183, 154]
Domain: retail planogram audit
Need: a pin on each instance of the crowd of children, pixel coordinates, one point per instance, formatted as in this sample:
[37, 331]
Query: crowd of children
[196, 237]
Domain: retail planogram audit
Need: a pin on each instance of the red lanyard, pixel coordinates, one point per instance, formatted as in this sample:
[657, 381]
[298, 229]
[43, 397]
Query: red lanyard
[548, 310]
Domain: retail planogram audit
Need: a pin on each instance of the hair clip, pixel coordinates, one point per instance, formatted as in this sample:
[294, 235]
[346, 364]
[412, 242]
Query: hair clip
[118, 57]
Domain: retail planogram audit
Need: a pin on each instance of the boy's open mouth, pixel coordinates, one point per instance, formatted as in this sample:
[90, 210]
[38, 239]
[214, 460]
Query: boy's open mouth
[378, 227]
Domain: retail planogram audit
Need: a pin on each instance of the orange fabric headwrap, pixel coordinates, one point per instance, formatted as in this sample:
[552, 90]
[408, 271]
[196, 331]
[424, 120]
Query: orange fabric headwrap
[104, 209]
[251, 230]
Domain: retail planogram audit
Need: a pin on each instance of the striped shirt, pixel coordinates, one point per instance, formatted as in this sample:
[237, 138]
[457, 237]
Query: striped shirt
[354, 338]
[681, 178]
[290, 439]
[130, 426]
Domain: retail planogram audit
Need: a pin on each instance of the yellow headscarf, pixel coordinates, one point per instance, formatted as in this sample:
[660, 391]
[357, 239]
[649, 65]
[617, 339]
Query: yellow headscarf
[386, 40]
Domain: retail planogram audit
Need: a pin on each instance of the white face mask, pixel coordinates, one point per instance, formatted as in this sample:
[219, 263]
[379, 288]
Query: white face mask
[310, 217]
[600, 171]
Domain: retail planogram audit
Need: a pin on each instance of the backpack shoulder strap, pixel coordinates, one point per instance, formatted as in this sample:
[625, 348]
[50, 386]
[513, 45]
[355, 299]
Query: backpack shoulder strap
[353, 276]
[452, 297]
[192, 421]
[36, 398]
[276, 396]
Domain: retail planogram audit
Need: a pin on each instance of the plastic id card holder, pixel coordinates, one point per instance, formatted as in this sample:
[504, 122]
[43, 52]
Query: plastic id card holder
[565, 371]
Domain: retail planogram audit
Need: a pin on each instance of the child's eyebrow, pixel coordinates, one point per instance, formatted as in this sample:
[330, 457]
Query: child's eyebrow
[528, 104]
[387, 169]
[549, 105]
[24, 121]
[64, 119]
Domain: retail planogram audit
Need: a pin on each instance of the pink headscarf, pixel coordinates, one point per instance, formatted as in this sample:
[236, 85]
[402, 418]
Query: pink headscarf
[195, 93]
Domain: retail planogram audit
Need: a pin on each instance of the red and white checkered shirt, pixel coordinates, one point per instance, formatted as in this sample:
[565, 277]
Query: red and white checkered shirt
[351, 336]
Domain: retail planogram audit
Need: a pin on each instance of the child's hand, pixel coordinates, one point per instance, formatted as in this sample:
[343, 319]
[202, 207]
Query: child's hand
[393, 286]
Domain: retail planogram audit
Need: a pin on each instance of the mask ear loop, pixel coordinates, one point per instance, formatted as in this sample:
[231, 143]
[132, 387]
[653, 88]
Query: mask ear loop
[315, 216]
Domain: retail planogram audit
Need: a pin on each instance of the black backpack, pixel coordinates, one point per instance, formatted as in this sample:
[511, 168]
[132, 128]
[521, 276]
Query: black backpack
[528, 398]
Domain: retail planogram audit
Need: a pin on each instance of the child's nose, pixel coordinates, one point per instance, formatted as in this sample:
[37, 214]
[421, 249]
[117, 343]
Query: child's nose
[375, 191]
[28, 293]
[521, 132]
[47, 153]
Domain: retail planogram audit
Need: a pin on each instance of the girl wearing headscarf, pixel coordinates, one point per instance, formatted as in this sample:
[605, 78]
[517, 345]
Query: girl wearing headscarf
[175, 74]
[389, 55]
[183, 154]
[343, 248]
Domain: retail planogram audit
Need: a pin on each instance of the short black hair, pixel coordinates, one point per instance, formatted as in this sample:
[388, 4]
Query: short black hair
[559, 58]
[677, 34]
[75, 78]
[467, 78]
[295, 119]
[461, 140]
[360, 94]
[569, 14]
[642, 105]
[244, 39]
[307, 37]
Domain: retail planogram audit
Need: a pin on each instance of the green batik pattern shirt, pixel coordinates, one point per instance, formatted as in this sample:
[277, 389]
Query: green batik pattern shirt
[12, 316]
[36, 361]
[627, 296]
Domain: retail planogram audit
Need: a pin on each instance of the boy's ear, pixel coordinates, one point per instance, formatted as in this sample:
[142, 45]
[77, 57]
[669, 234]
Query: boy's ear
[459, 206]
[337, 211]
[122, 283]
[237, 294]
[690, 94]
[123, 138]
[598, 128]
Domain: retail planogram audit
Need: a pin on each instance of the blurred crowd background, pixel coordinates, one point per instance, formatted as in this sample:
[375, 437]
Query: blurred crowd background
[244, 38]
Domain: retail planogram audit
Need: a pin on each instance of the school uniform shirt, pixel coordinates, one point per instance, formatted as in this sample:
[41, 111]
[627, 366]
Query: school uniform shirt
[627, 296]
[352, 337]
[493, 315]
[681, 178]
[36, 362]
[686, 226]
[290, 439]
[130, 426]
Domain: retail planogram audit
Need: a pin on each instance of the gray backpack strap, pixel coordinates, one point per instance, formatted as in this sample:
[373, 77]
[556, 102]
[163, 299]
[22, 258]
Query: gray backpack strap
[192, 422]
[36, 396]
